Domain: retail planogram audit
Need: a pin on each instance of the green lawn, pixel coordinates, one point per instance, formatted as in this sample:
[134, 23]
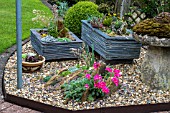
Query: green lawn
[8, 20]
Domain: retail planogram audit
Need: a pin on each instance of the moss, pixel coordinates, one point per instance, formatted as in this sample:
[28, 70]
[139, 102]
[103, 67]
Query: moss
[158, 26]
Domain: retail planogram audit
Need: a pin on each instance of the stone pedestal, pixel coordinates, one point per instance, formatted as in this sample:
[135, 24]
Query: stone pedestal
[156, 65]
[156, 68]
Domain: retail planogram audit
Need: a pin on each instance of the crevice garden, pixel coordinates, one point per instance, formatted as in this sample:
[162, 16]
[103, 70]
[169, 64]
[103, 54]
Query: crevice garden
[88, 56]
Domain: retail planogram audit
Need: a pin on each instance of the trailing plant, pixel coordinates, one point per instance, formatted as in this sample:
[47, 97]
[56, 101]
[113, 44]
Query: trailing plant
[78, 12]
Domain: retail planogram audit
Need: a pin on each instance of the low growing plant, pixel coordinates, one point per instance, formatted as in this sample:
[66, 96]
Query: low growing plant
[31, 57]
[107, 21]
[111, 25]
[93, 85]
[55, 26]
[96, 22]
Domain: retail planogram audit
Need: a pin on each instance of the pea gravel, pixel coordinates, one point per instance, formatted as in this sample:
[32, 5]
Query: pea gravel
[132, 92]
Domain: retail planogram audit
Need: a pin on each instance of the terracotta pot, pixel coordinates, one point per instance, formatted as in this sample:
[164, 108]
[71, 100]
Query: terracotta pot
[32, 66]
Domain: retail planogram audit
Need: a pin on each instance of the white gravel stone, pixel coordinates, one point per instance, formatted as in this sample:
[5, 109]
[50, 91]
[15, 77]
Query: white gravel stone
[132, 92]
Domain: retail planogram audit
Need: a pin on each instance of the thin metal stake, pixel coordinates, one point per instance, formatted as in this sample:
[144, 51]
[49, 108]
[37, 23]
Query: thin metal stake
[19, 43]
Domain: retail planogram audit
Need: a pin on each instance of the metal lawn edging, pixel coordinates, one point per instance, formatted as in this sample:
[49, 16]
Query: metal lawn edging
[146, 108]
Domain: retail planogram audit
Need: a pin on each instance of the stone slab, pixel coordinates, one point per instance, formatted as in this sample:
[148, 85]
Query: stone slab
[156, 68]
[5, 105]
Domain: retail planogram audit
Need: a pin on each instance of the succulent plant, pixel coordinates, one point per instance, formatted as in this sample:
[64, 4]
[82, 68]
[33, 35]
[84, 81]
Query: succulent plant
[111, 25]
[96, 22]
[107, 21]
[118, 27]
[31, 57]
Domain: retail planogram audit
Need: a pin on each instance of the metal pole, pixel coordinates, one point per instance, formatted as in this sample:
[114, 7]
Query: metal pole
[19, 43]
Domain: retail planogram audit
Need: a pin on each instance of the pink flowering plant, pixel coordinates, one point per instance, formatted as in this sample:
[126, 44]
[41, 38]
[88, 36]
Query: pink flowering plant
[95, 84]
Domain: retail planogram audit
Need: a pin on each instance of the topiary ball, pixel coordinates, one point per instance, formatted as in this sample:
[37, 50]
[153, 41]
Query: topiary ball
[80, 11]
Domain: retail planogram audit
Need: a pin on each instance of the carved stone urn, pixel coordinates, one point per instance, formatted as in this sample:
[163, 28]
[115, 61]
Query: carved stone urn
[156, 65]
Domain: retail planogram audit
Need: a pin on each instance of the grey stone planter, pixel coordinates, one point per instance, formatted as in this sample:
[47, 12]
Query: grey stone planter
[110, 48]
[55, 50]
[156, 64]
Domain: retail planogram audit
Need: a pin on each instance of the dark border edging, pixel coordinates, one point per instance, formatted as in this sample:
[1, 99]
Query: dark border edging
[47, 108]
[121, 109]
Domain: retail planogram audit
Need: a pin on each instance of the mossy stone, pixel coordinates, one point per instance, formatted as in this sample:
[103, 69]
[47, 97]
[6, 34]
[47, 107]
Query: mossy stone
[158, 26]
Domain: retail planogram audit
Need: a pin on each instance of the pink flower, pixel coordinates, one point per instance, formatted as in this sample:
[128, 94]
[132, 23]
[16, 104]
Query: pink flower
[88, 76]
[96, 85]
[117, 73]
[101, 84]
[86, 86]
[105, 90]
[97, 77]
[96, 65]
[108, 69]
[85, 71]
[115, 81]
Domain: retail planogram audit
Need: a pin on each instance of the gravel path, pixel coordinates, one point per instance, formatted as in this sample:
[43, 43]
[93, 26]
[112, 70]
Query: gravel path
[6, 107]
[132, 91]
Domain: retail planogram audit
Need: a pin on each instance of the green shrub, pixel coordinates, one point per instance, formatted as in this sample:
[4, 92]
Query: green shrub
[70, 2]
[78, 12]
[80, 0]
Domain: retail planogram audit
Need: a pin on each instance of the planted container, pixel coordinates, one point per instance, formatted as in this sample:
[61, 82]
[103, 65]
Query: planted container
[118, 48]
[55, 50]
[33, 66]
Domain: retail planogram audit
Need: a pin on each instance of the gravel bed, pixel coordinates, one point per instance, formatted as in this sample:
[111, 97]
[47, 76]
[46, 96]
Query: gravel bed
[132, 92]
